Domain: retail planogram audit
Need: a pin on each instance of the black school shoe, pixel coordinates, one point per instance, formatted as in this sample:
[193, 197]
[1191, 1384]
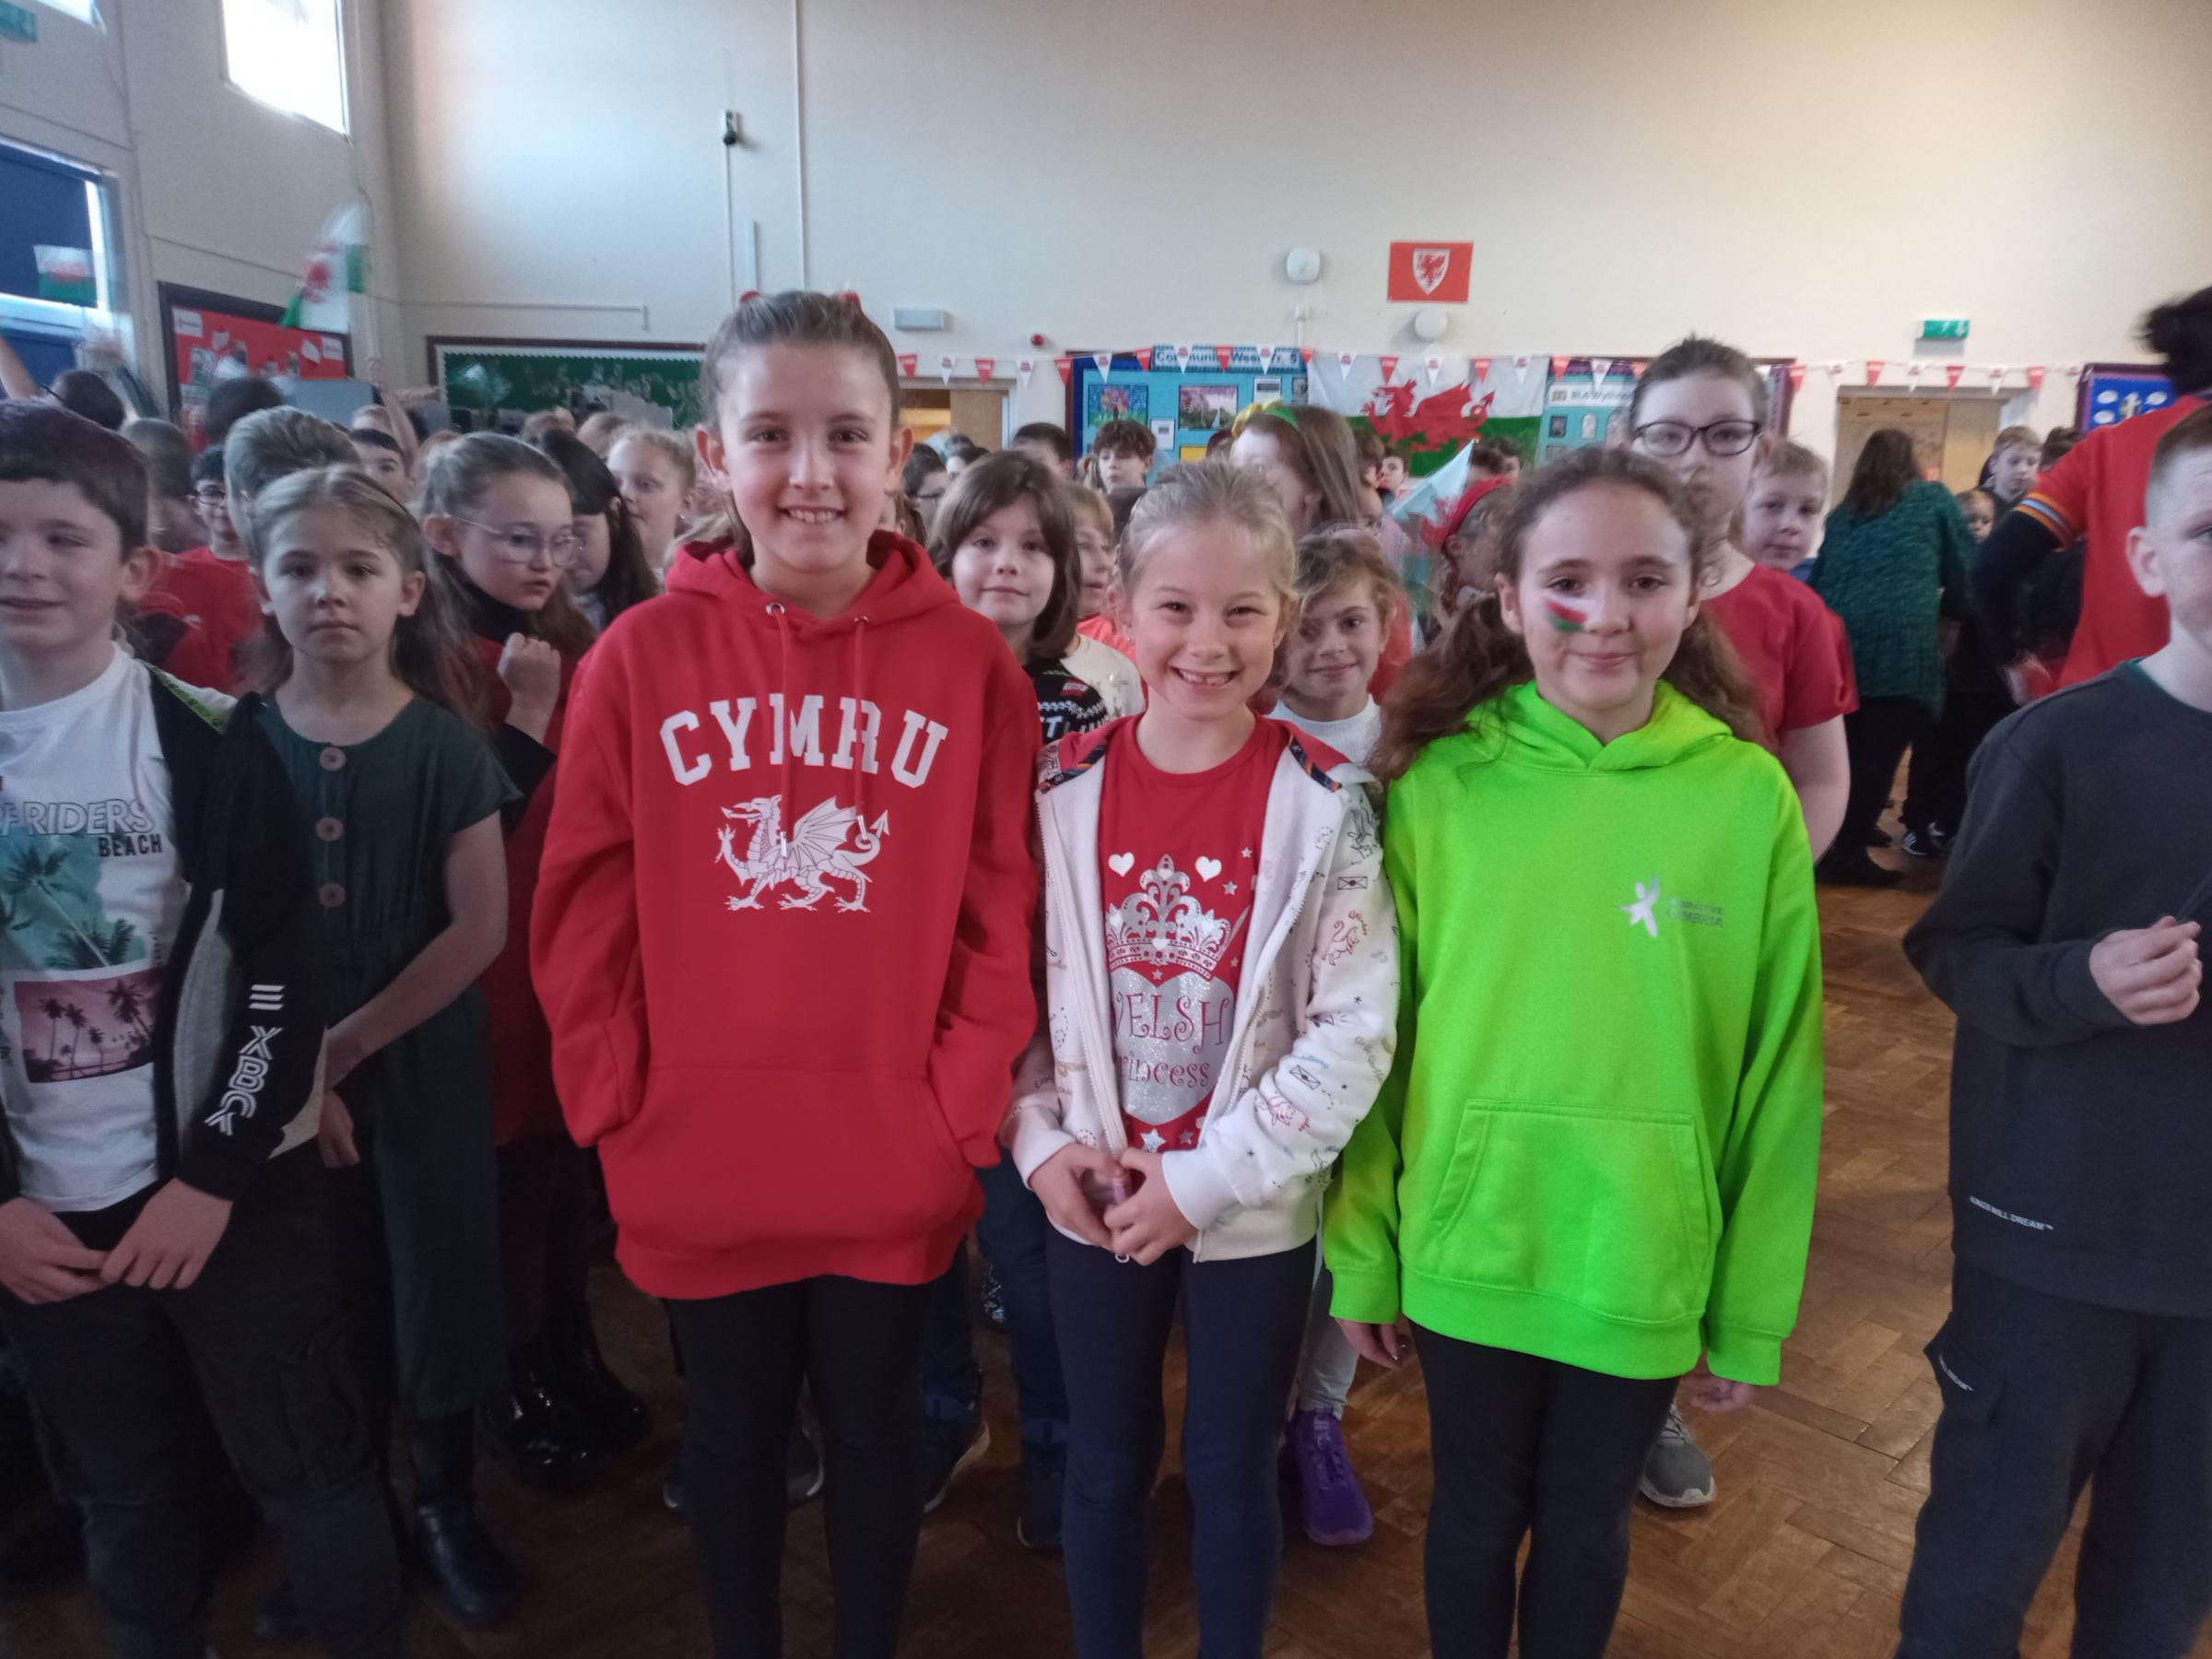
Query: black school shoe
[950, 1444]
[473, 1576]
[802, 1472]
[610, 1415]
[1043, 1483]
[533, 1431]
[1850, 866]
[1926, 844]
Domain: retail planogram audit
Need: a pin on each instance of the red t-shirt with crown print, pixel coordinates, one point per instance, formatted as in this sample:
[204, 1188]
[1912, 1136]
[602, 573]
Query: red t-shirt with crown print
[1178, 854]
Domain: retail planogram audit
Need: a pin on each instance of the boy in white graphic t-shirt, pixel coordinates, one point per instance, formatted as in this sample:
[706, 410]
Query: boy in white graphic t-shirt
[162, 1227]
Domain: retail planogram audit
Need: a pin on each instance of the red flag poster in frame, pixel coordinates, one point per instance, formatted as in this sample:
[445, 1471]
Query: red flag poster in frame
[1431, 272]
[203, 329]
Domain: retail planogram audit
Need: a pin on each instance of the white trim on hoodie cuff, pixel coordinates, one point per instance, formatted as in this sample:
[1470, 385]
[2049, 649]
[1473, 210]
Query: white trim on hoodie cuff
[1031, 1137]
[1198, 1186]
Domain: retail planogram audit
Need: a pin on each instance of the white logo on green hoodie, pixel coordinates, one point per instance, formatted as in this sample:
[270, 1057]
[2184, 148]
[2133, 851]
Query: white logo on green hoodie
[1645, 912]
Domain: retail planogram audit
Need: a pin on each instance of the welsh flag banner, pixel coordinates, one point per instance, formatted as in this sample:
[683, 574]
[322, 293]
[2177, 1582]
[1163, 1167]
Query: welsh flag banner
[336, 271]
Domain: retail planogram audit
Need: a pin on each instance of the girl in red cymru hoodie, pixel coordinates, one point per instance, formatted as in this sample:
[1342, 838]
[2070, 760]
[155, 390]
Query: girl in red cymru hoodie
[783, 937]
[501, 513]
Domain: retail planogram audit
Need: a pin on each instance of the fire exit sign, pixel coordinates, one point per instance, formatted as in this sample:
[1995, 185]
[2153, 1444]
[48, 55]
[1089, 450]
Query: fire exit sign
[1943, 328]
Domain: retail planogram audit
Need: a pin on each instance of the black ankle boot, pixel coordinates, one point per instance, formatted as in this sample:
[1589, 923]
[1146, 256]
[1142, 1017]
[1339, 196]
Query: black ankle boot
[479, 1582]
[612, 1416]
[474, 1576]
[533, 1429]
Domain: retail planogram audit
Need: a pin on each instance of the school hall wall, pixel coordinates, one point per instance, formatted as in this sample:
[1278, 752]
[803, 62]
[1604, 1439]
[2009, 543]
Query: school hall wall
[1807, 179]
[215, 189]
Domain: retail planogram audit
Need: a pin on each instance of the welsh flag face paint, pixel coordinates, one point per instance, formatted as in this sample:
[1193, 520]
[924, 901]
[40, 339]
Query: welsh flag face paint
[1567, 613]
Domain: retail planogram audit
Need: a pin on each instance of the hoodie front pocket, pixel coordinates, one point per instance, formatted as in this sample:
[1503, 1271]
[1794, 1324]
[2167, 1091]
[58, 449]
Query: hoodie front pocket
[1599, 1207]
[723, 1160]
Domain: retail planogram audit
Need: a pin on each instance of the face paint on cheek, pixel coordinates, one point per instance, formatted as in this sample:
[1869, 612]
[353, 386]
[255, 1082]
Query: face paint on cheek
[1568, 616]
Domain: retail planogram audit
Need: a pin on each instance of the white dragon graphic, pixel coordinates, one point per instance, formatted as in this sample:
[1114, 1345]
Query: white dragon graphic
[813, 851]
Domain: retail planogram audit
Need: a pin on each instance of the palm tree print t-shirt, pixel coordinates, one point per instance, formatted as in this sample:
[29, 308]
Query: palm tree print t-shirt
[90, 903]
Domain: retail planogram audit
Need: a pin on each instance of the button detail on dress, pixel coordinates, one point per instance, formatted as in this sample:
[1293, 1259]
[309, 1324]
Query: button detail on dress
[331, 895]
[332, 758]
[330, 829]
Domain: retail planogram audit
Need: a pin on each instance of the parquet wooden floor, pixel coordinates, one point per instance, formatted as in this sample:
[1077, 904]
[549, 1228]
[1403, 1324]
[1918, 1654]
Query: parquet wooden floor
[1804, 1554]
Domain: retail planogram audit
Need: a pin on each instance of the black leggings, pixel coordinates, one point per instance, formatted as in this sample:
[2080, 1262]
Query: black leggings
[1528, 1446]
[858, 1349]
[1875, 735]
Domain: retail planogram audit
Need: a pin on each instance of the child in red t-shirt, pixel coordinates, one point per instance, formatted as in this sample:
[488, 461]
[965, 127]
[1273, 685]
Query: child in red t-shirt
[209, 593]
[1701, 409]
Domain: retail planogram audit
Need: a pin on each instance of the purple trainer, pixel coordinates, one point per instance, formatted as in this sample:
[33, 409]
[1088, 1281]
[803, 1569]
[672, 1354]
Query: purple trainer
[1331, 1503]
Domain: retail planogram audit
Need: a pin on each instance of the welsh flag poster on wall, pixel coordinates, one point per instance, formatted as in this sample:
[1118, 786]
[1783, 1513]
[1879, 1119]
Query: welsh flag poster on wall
[1427, 418]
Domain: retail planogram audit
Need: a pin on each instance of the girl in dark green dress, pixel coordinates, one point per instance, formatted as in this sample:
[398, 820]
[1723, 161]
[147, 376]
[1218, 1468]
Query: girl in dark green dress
[404, 799]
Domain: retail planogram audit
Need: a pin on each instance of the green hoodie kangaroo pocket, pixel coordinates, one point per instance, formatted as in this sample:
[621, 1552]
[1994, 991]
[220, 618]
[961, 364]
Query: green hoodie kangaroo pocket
[1596, 1206]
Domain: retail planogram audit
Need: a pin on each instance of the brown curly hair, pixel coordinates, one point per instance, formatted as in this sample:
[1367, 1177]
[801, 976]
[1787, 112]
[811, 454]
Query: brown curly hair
[1479, 656]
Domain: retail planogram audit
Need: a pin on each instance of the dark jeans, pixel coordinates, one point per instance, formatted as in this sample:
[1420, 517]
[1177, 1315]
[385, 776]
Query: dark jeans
[546, 1216]
[857, 1347]
[1242, 1324]
[2043, 1395]
[1935, 785]
[1876, 735]
[1011, 1235]
[1529, 1447]
[119, 1377]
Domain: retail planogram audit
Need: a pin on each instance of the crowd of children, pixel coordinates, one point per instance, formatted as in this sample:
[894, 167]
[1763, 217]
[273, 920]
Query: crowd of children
[805, 850]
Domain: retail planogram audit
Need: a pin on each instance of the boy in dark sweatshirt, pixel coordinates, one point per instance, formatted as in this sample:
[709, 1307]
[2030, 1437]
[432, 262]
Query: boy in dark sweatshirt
[2066, 938]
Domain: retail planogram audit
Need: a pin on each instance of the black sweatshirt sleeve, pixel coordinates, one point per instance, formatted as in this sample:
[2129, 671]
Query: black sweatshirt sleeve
[526, 762]
[2009, 559]
[1980, 947]
[268, 1059]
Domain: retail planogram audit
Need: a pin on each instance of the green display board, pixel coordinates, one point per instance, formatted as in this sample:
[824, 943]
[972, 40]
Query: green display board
[501, 382]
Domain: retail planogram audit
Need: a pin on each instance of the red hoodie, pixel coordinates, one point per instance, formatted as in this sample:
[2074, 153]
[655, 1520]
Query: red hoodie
[783, 923]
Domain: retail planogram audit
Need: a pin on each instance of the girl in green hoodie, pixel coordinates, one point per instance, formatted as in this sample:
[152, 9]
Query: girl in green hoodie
[1592, 1168]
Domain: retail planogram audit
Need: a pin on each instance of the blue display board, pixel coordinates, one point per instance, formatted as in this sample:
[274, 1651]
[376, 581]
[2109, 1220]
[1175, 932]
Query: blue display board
[2112, 393]
[1184, 408]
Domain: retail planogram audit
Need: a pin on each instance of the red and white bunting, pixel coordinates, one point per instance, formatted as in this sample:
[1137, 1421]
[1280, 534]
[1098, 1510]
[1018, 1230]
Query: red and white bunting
[1389, 363]
[1913, 371]
[1144, 357]
[1104, 359]
[908, 362]
[1559, 368]
[2035, 377]
[1951, 371]
[984, 366]
[1996, 374]
[1834, 370]
[1797, 376]
[1183, 359]
[1638, 367]
[1266, 356]
[1066, 365]
[1345, 360]
[1024, 366]
[1599, 368]
[2072, 370]
[1435, 367]
[1305, 356]
[1482, 370]
[1874, 372]
[1521, 365]
[1221, 356]
[945, 368]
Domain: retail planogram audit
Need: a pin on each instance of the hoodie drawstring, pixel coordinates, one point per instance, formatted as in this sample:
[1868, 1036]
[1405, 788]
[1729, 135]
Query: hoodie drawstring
[860, 723]
[859, 706]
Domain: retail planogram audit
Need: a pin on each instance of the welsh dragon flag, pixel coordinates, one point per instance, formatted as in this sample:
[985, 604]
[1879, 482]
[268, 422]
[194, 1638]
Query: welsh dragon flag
[336, 269]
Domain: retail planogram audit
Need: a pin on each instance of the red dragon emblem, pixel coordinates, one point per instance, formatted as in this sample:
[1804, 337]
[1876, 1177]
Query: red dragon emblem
[1445, 421]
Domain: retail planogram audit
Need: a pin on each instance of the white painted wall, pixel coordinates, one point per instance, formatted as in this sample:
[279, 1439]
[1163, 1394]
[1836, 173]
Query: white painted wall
[217, 190]
[1805, 180]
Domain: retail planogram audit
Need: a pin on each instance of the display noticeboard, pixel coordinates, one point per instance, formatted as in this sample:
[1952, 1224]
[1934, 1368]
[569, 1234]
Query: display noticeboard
[1184, 408]
[498, 383]
[2112, 393]
[203, 331]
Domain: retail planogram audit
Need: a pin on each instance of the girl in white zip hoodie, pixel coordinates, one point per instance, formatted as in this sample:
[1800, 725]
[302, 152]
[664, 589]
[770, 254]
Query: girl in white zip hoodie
[1220, 962]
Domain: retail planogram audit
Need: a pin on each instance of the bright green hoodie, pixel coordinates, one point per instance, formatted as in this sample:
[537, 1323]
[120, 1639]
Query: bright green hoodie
[1601, 1138]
